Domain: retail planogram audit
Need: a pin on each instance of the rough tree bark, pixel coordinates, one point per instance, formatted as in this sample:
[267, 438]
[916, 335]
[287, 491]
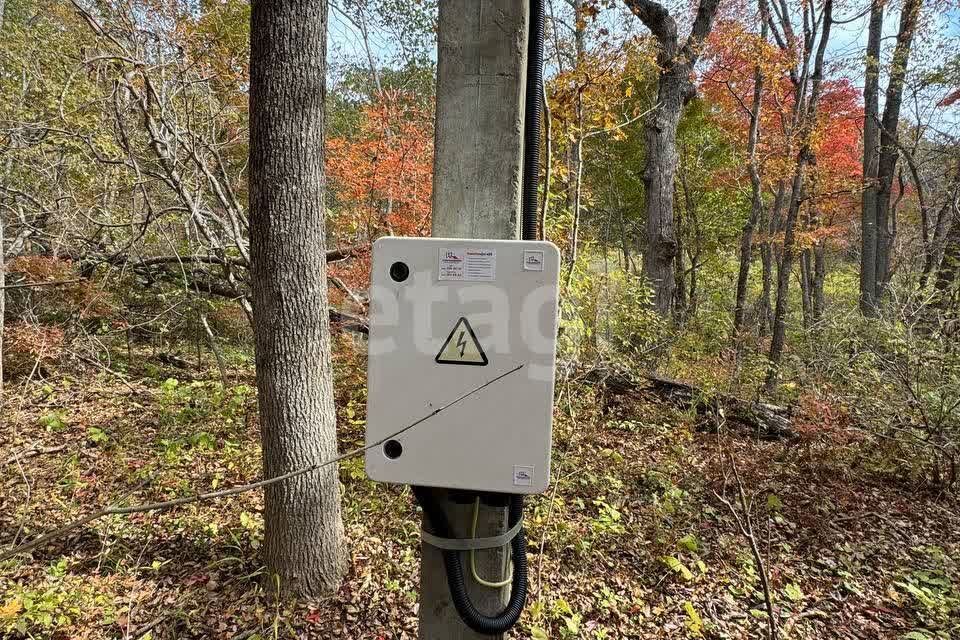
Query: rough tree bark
[304, 538]
[680, 300]
[871, 130]
[770, 224]
[806, 287]
[889, 151]
[819, 277]
[756, 189]
[946, 281]
[674, 90]
[807, 120]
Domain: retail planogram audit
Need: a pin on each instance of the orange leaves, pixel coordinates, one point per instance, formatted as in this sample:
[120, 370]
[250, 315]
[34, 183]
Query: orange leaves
[810, 238]
[381, 176]
[41, 268]
[27, 346]
[84, 297]
[734, 55]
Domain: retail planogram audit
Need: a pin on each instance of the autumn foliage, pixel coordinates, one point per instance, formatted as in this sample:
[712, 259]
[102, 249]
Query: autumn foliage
[381, 176]
[833, 182]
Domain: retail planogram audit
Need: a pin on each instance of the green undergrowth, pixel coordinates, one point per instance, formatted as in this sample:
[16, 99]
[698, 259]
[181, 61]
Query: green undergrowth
[634, 539]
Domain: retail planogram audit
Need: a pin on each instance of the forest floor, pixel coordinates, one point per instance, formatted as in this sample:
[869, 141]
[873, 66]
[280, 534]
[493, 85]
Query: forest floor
[635, 539]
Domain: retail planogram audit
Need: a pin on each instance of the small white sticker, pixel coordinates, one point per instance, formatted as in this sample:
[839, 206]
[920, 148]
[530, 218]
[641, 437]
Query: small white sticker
[522, 476]
[532, 260]
[468, 264]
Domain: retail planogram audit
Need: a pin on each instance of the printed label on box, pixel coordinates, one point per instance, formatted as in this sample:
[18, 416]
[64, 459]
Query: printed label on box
[473, 264]
[523, 475]
[532, 260]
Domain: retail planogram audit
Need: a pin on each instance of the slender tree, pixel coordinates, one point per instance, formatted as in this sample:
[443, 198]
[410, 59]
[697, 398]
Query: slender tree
[304, 539]
[756, 187]
[806, 104]
[889, 152]
[675, 89]
[948, 273]
[871, 130]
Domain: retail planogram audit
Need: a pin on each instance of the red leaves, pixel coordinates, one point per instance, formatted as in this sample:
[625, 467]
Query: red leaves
[834, 180]
[381, 176]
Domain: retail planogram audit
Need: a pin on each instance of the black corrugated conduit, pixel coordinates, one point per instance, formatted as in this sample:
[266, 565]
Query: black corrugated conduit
[532, 120]
[473, 618]
[452, 563]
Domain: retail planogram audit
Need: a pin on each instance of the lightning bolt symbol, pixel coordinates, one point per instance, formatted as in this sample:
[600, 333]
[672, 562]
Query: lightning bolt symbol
[462, 343]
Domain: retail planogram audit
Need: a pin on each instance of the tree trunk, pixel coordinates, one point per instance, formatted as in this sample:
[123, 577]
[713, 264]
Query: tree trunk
[621, 222]
[680, 308]
[778, 339]
[934, 250]
[946, 283]
[889, 151]
[771, 226]
[659, 174]
[548, 160]
[578, 192]
[819, 275]
[573, 156]
[674, 90]
[805, 157]
[871, 128]
[765, 321]
[694, 301]
[304, 538]
[806, 283]
[756, 202]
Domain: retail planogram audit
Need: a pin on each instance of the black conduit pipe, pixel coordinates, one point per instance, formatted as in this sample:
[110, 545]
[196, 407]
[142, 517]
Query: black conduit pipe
[487, 625]
[532, 120]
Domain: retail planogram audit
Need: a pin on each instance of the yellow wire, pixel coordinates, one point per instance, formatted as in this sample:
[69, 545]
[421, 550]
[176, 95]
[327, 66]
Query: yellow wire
[473, 556]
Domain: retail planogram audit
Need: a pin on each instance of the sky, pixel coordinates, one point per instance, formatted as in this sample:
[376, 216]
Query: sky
[938, 40]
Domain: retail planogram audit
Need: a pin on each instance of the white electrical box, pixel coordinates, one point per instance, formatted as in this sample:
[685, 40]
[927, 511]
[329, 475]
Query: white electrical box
[446, 317]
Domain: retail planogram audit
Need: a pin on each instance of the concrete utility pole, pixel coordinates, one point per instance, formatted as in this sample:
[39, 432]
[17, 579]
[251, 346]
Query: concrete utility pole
[478, 162]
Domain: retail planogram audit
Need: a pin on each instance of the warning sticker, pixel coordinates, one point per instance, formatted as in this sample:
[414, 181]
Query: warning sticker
[467, 264]
[462, 347]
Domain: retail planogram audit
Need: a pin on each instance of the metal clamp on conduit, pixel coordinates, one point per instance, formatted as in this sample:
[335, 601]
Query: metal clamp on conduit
[472, 617]
[471, 544]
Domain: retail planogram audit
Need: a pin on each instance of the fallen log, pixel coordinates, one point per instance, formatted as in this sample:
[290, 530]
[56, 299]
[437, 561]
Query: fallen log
[767, 421]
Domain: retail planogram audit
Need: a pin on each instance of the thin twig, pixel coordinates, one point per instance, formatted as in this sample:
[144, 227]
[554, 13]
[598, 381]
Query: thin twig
[223, 493]
[31, 285]
[745, 526]
[119, 376]
[23, 454]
